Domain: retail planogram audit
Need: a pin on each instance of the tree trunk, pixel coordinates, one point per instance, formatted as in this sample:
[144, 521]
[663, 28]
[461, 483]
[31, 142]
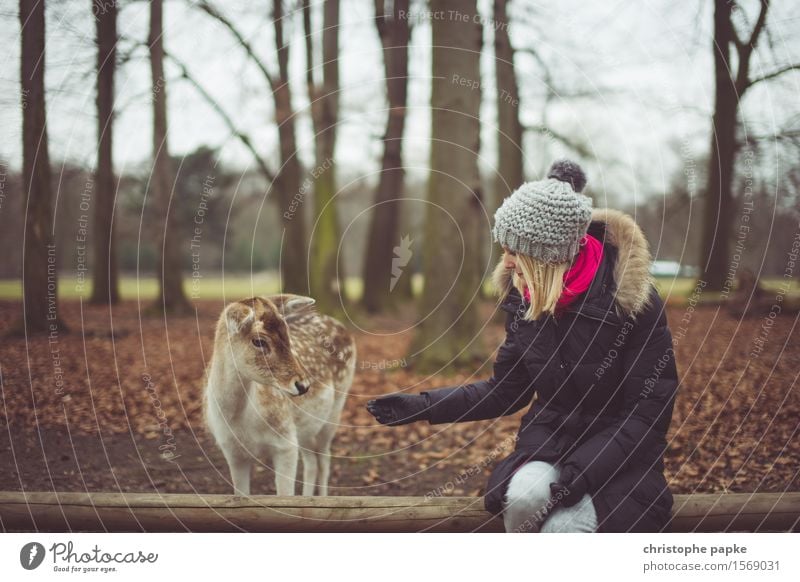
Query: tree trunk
[383, 265]
[285, 189]
[448, 318]
[509, 129]
[719, 200]
[289, 177]
[39, 277]
[510, 173]
[173, 299]
[730, 88]
[325, 273]
[404, 287]
[105, 281]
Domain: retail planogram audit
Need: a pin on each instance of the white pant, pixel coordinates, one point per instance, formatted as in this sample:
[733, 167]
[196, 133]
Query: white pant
[527, 504]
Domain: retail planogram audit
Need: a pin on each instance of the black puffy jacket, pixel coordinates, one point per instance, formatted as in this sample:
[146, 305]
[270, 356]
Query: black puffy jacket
[604, 378]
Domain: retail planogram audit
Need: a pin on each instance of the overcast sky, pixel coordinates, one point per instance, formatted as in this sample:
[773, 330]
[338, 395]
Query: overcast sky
[647, 68]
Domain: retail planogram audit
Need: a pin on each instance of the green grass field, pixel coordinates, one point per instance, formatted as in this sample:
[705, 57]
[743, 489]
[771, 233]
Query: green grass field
[238, 286]
[683, 287]
[234, 287]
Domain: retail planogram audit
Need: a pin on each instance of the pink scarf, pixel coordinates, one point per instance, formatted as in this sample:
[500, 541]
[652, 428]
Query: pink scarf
[580, 275]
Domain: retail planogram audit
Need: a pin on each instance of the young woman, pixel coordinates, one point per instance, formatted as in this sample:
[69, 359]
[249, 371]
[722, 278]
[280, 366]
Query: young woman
[587, 334]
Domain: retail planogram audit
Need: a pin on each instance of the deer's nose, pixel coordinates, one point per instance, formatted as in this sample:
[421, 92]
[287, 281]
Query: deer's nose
[302, 387]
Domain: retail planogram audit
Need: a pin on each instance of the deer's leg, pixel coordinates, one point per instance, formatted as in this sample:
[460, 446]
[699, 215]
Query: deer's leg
[328, 432]
[309, 470]
[285, 463]
[240, 467]
[324, 439]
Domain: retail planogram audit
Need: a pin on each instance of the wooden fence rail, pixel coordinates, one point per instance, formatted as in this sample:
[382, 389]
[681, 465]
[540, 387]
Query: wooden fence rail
[63, 512]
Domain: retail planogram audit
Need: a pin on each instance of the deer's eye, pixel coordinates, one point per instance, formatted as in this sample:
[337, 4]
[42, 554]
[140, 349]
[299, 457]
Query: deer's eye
[261, 344]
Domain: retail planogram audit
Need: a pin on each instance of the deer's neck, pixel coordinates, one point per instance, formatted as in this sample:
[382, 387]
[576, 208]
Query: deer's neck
[225, 385]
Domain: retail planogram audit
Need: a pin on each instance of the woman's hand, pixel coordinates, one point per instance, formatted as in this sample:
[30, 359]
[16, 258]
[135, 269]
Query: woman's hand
[571, 487]
[397, 409]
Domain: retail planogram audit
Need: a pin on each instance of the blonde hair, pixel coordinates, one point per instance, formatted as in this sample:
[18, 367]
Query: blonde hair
[545, 282]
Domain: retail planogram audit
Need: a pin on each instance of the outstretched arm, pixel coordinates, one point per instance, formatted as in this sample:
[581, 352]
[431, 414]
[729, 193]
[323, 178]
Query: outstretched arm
[508, 390]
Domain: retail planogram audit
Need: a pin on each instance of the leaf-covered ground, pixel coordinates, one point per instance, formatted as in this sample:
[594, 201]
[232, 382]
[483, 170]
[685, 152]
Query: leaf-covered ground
[82, 411]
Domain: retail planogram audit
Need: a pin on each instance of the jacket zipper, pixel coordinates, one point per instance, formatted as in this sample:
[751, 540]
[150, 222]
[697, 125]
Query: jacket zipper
[558, 351]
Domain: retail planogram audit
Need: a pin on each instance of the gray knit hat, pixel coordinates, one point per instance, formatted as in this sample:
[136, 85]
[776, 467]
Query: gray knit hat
[546, 219]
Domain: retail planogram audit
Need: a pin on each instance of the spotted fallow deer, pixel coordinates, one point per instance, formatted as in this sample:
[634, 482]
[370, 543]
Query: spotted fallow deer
[276, 386]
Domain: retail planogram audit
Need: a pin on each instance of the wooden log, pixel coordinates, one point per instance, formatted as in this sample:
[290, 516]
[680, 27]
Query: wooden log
[223, 513]
[135, 512]
[745, 512]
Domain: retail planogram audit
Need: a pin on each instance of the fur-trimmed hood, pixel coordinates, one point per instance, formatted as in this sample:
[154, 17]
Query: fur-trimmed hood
[632, 276]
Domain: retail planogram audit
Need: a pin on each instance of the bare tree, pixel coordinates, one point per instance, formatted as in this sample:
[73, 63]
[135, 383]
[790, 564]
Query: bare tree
[325, 257]
[173, 299]
[448, 328]
[732, 80]
[39, 282]
[294, 261]
[105, 280]
[379, 282]
[509, 129]
[286, 182]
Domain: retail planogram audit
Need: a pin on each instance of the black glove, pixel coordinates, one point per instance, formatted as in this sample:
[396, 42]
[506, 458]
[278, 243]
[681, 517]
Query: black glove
[397, 409]
[571, 487]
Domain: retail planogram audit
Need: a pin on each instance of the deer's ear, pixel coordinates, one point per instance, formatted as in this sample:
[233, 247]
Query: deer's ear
[288, 303]
[239, 318]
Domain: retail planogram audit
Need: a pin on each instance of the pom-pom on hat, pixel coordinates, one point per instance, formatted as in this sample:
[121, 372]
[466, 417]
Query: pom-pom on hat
[548, 218]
